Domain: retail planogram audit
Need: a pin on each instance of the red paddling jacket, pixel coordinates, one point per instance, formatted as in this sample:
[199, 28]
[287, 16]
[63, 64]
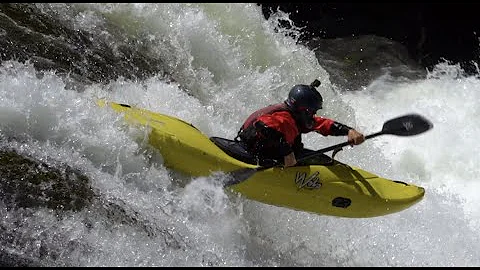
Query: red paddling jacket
[274, 131]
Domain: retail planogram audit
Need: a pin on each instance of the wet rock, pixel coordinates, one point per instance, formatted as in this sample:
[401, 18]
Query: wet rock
[28, 183]
[431, 32]
[354, 62]
[27, 33]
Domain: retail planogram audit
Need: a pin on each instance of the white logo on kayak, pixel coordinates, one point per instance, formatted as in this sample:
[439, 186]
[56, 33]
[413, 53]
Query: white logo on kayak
[310, 182]
[408, 125]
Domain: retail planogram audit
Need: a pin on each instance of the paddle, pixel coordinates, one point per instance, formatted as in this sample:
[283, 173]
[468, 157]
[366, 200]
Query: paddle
[407, 125]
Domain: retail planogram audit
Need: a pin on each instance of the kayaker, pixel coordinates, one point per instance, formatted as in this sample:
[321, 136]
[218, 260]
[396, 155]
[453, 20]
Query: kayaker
[274, 132]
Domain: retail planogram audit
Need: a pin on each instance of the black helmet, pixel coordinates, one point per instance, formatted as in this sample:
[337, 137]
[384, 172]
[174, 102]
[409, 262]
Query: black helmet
[304, 97]
[304, 101]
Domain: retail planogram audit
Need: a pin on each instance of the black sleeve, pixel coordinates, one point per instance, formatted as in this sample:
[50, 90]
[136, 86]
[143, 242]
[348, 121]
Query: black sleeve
[274, 136]
[339, 129]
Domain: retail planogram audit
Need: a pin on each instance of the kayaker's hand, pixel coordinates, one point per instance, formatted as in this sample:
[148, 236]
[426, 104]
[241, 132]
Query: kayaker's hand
[289, 160]
[355, 137]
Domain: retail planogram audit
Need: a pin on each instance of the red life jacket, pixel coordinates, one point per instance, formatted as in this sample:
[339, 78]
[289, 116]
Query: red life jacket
[264, 138]
[262, 130]
[282, 122]
[267, 110]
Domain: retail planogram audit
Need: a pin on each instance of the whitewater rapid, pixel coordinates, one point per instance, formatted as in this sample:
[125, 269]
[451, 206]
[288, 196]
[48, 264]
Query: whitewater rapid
[228, 61]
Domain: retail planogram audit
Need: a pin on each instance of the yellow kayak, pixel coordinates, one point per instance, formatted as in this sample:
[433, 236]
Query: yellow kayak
[327, 188]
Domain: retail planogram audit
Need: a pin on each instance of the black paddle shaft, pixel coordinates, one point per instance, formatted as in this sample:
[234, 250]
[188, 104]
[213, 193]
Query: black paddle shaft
[407, 125]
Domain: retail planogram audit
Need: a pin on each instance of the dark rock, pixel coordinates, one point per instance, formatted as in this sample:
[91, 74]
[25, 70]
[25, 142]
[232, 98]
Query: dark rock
[29, 183]
[28, 33]
[431, 32]
[355, 62]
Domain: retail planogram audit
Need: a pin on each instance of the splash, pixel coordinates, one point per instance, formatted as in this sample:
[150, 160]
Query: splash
[227, 61]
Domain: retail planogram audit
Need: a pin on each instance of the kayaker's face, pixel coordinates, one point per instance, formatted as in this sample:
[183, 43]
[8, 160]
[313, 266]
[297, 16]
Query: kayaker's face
[307, 118]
